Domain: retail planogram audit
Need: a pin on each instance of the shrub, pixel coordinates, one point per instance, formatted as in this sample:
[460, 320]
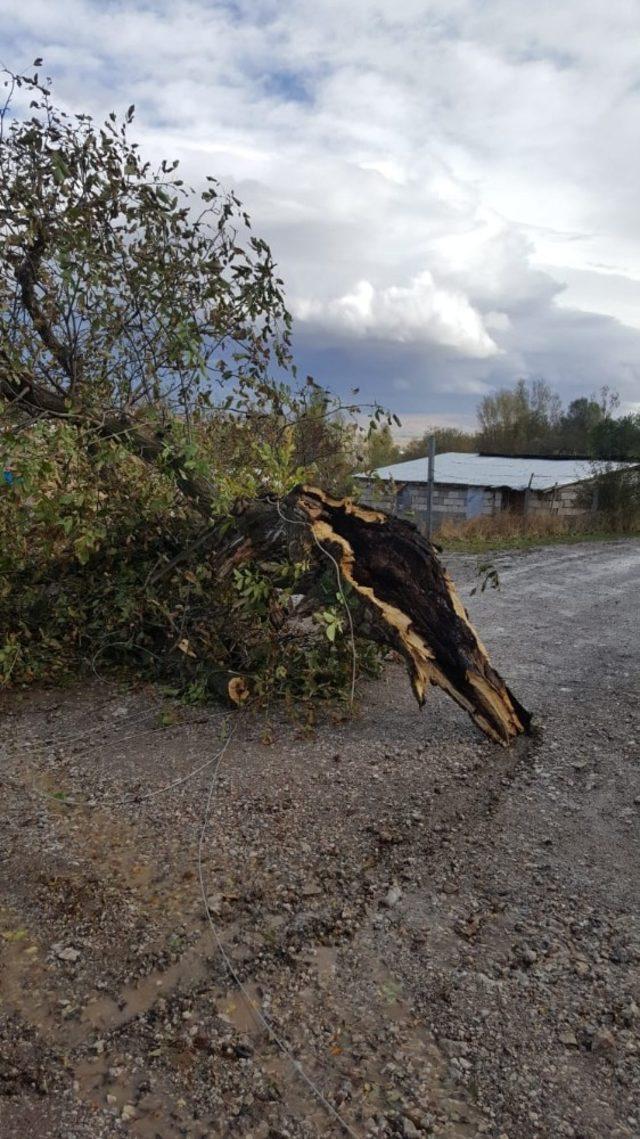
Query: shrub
[86, 539]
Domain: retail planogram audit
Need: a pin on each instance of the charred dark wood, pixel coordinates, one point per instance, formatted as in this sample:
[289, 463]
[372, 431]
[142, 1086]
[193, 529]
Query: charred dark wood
[413, 603]
[409, 599]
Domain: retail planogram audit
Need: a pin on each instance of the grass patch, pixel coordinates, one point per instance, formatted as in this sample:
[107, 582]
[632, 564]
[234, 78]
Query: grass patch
[512, 532]
[478, 545]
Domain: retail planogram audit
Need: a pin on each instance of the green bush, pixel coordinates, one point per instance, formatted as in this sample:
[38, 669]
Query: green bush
[86, 536]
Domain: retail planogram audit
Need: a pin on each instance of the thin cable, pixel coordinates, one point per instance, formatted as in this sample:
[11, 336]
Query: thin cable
[256, 1012]
[95, 746]
[86, 732]
[254, 1009]
[38, 755]
[354, 657]
[54, 743]
[346, 605]
[38, 748]
[176, 782]
[129, 800]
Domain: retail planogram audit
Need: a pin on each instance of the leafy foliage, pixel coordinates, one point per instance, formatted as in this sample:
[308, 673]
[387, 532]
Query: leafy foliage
[86, 538]
[617, 438]
[529, 419]
[447, 439]
[519, 419]
[380, 449]
[617, 493]
[488, 576]
[119, 289]
[147, 381]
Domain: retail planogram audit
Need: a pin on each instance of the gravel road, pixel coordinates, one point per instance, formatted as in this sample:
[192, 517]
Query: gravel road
[445, 934]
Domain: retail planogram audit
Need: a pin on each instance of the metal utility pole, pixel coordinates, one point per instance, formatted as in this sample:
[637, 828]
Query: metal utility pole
[527, 502]
[430, 481]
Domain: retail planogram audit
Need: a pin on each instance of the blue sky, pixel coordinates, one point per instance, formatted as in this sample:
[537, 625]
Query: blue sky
[450, 187]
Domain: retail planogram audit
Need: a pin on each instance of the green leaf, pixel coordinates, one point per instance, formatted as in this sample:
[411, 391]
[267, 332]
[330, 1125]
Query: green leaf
[60, 169]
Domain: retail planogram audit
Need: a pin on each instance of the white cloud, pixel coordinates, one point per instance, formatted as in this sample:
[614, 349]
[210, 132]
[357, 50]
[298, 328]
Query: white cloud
[446, 178]
[418, 312]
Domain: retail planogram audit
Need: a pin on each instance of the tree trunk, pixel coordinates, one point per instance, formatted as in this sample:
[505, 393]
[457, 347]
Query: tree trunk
[413, 606]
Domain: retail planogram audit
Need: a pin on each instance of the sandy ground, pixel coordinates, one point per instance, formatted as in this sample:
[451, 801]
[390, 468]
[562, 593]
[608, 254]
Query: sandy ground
[444, 934]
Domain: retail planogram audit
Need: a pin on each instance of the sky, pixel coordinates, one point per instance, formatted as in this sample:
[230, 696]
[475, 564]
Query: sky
[449, 187]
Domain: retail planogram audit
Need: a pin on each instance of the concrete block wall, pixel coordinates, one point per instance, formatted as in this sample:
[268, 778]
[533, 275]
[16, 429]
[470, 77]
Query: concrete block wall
[449, 501]
[567, 501]
[376, 496]
[492, 501]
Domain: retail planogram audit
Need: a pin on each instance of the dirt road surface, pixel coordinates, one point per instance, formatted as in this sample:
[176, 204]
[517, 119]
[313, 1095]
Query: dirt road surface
[444, 934]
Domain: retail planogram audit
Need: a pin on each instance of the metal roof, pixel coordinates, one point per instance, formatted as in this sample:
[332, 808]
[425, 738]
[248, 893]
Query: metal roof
[460, 469]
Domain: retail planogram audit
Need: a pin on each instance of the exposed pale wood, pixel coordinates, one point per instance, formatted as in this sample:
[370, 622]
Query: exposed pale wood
[397, 574]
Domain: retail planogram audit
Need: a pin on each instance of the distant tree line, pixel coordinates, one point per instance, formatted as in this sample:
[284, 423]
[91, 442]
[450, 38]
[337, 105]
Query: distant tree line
[528, 419]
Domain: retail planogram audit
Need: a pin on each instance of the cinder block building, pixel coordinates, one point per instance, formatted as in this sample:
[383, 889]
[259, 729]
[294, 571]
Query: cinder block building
[470, 485]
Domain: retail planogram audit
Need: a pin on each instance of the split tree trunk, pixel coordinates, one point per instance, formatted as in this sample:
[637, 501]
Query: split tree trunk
[412, 605]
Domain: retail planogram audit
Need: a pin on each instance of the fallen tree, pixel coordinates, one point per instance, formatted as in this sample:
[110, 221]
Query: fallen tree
[123, 311]
[407, 601]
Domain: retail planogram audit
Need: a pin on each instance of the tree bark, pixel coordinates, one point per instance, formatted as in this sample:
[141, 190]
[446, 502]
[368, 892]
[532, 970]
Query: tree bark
[409, 598]
[414, 607]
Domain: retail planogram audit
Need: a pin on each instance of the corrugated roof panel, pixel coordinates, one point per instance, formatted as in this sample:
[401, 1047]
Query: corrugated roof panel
[456, 468]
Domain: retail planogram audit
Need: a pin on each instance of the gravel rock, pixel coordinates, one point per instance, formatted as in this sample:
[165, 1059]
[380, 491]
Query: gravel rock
[67, 953]
[603, 1041]
[393, 896]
